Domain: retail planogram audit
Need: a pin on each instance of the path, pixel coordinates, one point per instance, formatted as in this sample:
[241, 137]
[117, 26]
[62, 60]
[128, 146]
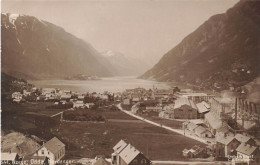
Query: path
[60, 113]
[179, 131]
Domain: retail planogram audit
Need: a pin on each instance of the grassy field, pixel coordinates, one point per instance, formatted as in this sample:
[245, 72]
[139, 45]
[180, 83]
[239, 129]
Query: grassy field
[88, 139]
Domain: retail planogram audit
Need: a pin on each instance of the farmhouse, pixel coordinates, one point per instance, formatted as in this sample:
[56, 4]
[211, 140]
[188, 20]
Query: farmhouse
[226, 146]
[126, 154]
[201, 131]
[185, 109]
[248, 153]
[54, 149]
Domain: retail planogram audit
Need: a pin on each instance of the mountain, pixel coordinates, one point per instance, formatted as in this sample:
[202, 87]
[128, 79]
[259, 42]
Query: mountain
[125, 66]
[225, 50]
[36, 49]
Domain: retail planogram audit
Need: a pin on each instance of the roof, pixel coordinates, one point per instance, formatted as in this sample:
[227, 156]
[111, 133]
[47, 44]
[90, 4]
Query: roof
[246, 149]
[101, 161]
[129, 153]
[242, 138]
[225, 140]
[202, 108]
[205, 104]
[119, 146]
[54, 145]
[213, 121]
[34, 160]
[184, 101]
[223, 129]
[8, 156]
[200, 129]
[192, 126]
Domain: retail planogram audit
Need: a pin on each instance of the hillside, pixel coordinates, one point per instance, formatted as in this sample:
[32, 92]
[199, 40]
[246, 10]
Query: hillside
[36, 49]
[225, 50]
[125, 66]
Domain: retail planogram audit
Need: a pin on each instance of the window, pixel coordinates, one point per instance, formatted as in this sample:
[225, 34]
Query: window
[143, 161]
[135, 161]
[48, 153]
[42, 152]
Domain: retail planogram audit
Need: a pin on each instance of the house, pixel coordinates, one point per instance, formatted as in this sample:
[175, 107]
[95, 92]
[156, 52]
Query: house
[17, 95]
[185, 109]
[245, 139]
[226, 146]
[248, 153]
[54, 149]
[26, 93]
[194, 152]
[203, 132]
[48, 90]
[203, 108]
[78, 104]
[9, 158]
[126, 154]
[81, 97]
[35, 160]
[89, 105]
[191, 126]
[223, 131]
[65, 96]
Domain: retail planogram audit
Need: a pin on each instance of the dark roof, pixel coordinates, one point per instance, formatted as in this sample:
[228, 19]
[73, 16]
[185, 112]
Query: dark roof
[246, 149]
[54, 145]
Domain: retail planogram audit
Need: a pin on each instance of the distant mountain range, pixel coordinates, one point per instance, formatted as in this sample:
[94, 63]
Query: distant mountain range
[223, 51]
[125, 66]
[36, 49]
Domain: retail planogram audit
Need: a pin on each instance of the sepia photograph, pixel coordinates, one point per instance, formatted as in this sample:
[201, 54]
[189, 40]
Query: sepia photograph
[130, 82]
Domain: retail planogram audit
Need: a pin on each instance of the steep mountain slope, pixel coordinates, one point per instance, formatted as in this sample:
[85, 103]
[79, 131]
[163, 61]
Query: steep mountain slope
[39, 49]
[125, 66]
[224, 50]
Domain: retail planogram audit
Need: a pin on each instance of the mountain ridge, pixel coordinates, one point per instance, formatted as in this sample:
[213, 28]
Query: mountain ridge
[215, 53]
[44, 51]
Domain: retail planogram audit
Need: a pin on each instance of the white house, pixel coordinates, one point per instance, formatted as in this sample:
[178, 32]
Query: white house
[9, 158]
[248, 153]
[78, 104]
[54, 149]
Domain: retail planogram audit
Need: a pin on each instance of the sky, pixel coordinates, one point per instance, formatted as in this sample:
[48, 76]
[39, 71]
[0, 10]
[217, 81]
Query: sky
[143, 29]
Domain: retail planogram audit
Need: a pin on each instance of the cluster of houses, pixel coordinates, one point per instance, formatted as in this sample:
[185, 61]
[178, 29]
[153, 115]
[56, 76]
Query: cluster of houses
[49, 153]
[53, 152]
[204, 116]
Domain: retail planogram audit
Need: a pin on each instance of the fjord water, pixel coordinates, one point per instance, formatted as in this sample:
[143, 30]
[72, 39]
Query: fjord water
[111, 84]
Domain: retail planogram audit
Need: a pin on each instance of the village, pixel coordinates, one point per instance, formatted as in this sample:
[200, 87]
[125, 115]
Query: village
[225, 122]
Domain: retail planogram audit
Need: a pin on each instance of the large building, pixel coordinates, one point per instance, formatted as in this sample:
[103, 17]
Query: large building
[185, 109]
[126, 154]
[54, 149]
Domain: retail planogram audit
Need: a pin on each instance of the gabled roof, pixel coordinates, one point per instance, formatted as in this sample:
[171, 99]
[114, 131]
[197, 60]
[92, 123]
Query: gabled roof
[213, 121]
[246, 149]
[242, 138]
[119, 146]
[54, 145]
[223, 129]
[192, 126]
[202, 108]
[200, 129]
[184, 101]
[8, 156]
[129, 153]
[225, 140]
